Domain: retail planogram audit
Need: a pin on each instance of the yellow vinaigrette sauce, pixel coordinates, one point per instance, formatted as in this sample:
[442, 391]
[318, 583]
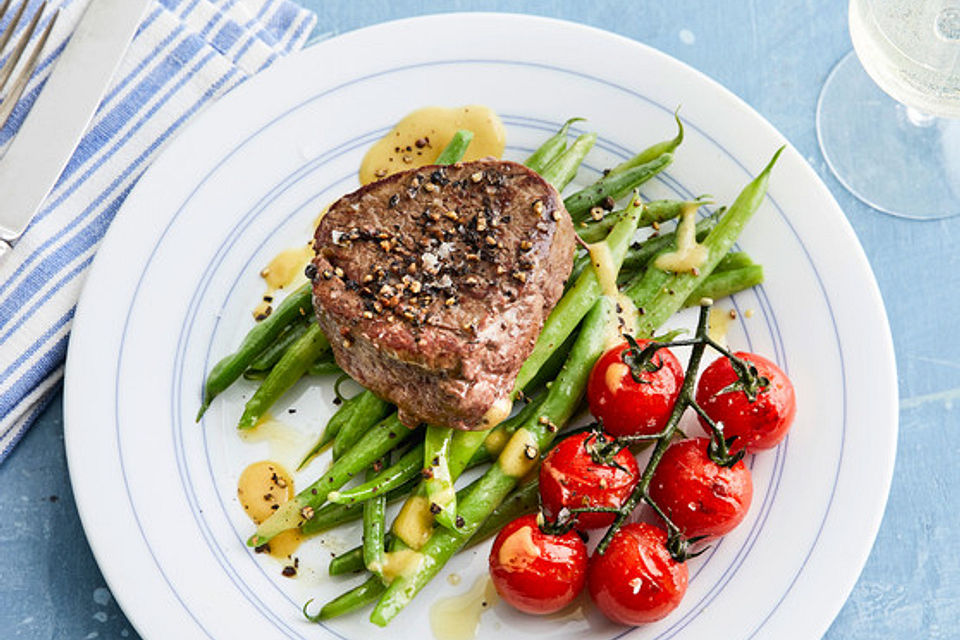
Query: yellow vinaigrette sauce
[457, 617]
[421, 135]
[262, 488]
[286, 444]
[625, 321]
[690, 255]
[283, 271]
[718, 324]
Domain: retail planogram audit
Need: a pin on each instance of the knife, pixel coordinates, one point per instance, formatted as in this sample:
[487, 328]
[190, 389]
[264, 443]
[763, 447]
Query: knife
[63, 110]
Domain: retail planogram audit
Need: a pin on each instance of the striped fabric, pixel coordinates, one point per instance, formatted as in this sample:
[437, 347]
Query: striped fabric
[186, 54]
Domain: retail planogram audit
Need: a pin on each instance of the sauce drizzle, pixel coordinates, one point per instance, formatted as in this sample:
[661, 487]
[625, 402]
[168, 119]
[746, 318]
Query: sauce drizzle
[262, 487]
[421, 135]
[718, 324]
[457, 617]
[625, 320]
[285, 269]
[690, 254]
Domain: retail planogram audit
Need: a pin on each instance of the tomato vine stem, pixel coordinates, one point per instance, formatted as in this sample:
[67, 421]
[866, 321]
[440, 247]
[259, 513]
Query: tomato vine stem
[676, 544]
[748, 381]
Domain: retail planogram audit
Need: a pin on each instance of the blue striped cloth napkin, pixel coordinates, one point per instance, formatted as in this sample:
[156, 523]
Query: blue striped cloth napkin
[186, 54]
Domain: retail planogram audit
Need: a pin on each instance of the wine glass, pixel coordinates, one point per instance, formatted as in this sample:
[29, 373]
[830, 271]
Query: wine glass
[888, 118]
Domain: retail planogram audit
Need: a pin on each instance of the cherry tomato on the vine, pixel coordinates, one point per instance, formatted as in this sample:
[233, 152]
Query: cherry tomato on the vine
[574, 475]
[699, 496]
[537, 572]
[760, 423]
[629, 399]
[636, 580]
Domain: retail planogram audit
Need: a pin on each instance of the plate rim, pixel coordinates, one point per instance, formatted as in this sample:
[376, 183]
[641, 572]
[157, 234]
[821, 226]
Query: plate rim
[236, 97]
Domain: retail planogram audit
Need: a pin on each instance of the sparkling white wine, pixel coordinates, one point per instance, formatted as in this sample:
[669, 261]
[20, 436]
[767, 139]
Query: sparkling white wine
[911, 49]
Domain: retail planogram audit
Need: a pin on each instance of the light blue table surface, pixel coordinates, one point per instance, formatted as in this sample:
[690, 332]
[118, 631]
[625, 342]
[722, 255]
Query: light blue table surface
[775, 55]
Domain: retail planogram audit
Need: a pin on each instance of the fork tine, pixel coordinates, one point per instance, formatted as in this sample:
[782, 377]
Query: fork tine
[3, 9]
[7, 106]
[15, 55]
[8, 32]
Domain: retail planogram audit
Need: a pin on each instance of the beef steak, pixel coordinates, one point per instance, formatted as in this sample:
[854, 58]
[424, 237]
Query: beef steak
[433, 284]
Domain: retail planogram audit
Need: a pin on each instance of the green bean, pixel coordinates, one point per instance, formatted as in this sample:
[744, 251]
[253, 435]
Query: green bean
[640, 254]
[660, 293]
[524, 499]
[407, 467]
[625, 176]
[374, 527]
[347, 562]
[655, 211]
[561, 401]
[334, 424]
[734, 260]
[352, 561]
[272, 354]
[552, 366]
[501, 434]
[455, 149]
[655, 151]
[561, 171]
[721, 284]
[613, 185]
[352, 600]
[493, 441]
[324, 368]
[439, 483]
[225, 372]
[463, 444]
[579, 298]
[294, 363]
[596, 230]
[551, 149]
[333, 515]
[358, 597]
[410, 465]
[375, 443]
[368, 411]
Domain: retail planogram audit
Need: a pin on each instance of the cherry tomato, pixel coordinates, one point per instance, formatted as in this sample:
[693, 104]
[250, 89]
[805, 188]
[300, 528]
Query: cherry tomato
[626, 406]
[760, 424]
[537, 572]
[571, 478]
[697, 494]
[635, 580]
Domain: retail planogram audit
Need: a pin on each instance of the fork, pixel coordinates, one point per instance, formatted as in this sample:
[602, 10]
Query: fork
[18, 81]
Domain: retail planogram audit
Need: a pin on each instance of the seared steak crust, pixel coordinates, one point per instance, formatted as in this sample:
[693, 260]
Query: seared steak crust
[433, 284]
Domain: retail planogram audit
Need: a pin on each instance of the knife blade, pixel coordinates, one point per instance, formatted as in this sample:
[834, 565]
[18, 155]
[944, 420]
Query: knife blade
[63, 110]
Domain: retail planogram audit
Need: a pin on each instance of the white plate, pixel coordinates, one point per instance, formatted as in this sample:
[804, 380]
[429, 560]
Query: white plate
[173, 284]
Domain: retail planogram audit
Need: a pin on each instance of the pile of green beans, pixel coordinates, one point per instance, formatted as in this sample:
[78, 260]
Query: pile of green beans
[395, 462]
[658, 292]
[494, 486]
[230, 368]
